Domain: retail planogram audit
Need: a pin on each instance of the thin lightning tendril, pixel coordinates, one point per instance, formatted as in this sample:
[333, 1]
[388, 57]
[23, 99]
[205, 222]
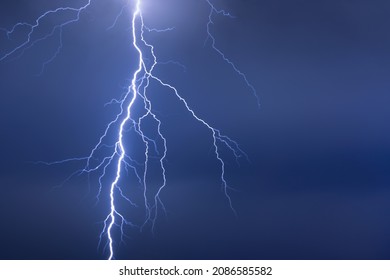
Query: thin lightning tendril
[116, 156]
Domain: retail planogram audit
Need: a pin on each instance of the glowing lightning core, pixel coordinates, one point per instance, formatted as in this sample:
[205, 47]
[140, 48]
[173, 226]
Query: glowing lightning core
[117, 157]
[119, 145]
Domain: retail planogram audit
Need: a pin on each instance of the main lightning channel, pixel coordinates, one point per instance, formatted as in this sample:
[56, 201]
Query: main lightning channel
[119, 145]
[134, 89]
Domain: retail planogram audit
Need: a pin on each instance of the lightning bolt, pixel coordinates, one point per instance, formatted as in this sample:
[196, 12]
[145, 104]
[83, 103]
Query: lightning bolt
[115, 156]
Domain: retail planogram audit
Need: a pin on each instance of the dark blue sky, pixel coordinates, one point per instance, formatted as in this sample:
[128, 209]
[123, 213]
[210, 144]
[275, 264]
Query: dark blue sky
[317, 184]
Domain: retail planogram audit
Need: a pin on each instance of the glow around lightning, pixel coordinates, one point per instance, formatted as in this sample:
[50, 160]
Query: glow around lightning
[111, 154]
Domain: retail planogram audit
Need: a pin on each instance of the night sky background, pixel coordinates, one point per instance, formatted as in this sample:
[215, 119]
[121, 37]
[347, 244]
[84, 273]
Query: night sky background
[317, 185]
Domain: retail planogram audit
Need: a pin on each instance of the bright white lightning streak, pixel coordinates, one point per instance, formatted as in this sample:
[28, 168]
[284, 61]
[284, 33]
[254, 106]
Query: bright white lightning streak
[138, 89]
[119, 144]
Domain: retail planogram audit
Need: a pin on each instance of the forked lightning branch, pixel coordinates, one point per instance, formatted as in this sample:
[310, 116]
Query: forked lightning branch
[111, 157]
